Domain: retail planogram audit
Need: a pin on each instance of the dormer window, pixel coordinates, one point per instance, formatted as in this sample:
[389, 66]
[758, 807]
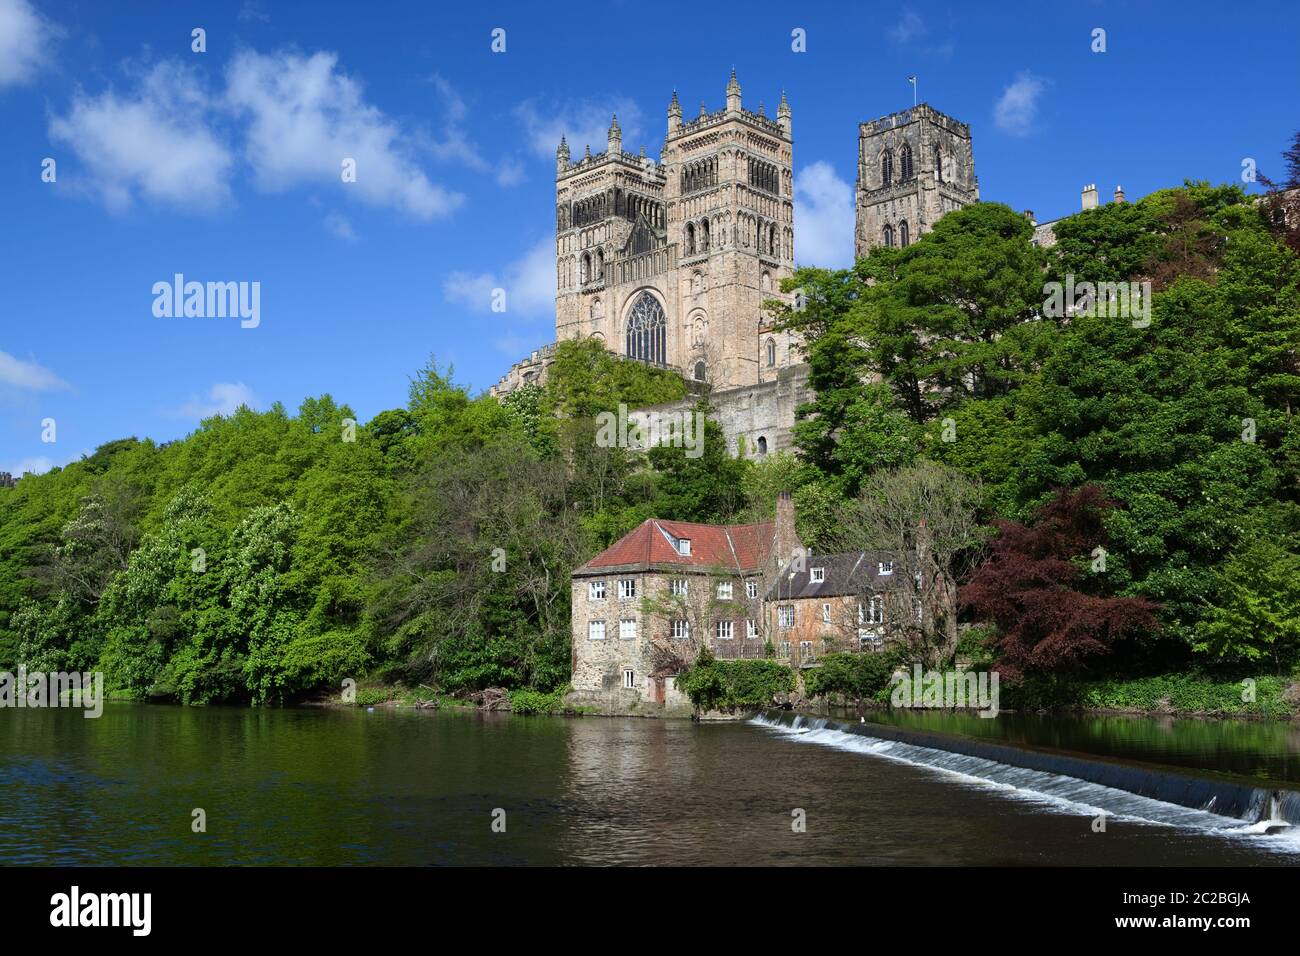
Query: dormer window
[885, 567]
[818, 575]
[683, 545]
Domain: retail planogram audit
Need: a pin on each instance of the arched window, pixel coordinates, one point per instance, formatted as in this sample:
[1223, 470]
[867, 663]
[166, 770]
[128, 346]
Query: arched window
[886, 168]
[645, 330]
[697, 331]
[586, 268]
[762, 445]
[600, 264]
[699, 371]
[906, 162]
[902, 233]
[771, 240]
[771, 353]
[697, 283]
[690, 238]
[888, 235]
[704, 235]
[938, 164]
[596, 313]
[766, 281]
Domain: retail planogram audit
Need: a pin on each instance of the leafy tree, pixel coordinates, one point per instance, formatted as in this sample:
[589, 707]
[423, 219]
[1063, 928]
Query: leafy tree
[1255, 613]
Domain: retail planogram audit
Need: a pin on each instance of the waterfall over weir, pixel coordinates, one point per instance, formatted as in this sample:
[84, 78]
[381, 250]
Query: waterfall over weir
[1084, 783]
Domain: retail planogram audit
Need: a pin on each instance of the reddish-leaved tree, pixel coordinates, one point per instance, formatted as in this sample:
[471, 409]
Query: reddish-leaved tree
[1052, 614]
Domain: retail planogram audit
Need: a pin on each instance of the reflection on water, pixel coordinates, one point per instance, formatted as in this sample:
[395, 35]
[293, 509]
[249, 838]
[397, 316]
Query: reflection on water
[1267, 750]
[415, 788]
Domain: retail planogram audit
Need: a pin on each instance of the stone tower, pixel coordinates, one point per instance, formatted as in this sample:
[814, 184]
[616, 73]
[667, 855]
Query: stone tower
[669, 263]
[913, 166]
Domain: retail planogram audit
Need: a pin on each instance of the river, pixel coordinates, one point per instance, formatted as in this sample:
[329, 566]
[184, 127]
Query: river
[329, 787]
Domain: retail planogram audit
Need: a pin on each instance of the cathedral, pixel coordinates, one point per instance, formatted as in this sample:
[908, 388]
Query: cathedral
[670, 262]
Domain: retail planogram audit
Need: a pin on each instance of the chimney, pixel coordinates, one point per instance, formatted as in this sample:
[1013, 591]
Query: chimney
[785, 540]
[1090, 196]
[1119, 193]
[1029, 215]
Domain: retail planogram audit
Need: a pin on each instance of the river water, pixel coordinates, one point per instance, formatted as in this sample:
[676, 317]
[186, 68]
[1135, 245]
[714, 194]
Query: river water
[316, 786]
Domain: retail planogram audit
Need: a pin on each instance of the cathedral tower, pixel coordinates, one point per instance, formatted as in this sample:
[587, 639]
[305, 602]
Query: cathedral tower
[913, 166]
[669, 263]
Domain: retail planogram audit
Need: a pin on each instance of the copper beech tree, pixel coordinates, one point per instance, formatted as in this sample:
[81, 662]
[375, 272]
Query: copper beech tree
[1042, 585]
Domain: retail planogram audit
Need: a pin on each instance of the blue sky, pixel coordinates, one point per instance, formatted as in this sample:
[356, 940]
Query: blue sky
[225, 166]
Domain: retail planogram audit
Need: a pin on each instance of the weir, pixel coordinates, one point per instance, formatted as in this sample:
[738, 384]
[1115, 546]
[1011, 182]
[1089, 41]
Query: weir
[1236, 800]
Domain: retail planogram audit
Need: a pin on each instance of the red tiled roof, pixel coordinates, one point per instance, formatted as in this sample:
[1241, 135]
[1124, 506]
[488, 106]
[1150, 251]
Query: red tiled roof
[743, 547]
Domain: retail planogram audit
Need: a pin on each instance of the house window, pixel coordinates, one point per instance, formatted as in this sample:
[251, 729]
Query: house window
[818, 575]
[681, 630]
[826, 613]
[785, 650]
[683, 545]
[868, 639]
[724, 590]
[785, 616]
[885, 567]
[751, 629]
[805, 650]
[751, 589]
[629, 679]
[627, 588]
[875, 611]
[679, 587]
[627, 630]
[722, 630]
[595, 630]
[596, 591]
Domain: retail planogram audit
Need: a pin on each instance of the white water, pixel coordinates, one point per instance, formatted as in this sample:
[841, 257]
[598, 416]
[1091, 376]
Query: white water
[1053, 792]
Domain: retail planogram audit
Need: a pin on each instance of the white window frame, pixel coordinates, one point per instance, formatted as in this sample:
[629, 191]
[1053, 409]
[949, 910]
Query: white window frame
[627, 629]
[596, 591]
[724, 590]
[785, 650]
[629, 679]
[626, 589]
[679, 587]
[751, 588]
[785, 616]
[875, 610]
[826, 613]
[595, 630]
[751, 629]
[724, 630]
[885, 567]
[680, 630]
[817, 575]
[684, 546]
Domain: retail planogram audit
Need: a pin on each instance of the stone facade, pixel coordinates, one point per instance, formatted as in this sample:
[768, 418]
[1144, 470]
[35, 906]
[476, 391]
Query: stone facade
[913, 166]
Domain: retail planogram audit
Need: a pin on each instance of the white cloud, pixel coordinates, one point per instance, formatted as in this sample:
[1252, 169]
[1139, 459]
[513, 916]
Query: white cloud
[25, 38]
[529, 284]
[909, 27]
[153, 142]
[224, 398]
[581, 122]
[1016, 109]
[28, 376]
[37, 466]
[823, 216]
[306, 117]
[340, 226]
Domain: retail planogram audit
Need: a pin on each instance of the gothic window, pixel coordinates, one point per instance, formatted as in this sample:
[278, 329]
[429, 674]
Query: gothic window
[704, 235]
[771, 240]
[906, 162]
[586, 268]
[600, 264]
[771, 353]
[645, 330]
[690, 238]
[938, 164]
[902, 233]
[888, 235]
[886, 168]
[699, 371]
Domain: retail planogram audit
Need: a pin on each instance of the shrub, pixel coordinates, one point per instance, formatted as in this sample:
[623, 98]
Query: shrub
[732, 685]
